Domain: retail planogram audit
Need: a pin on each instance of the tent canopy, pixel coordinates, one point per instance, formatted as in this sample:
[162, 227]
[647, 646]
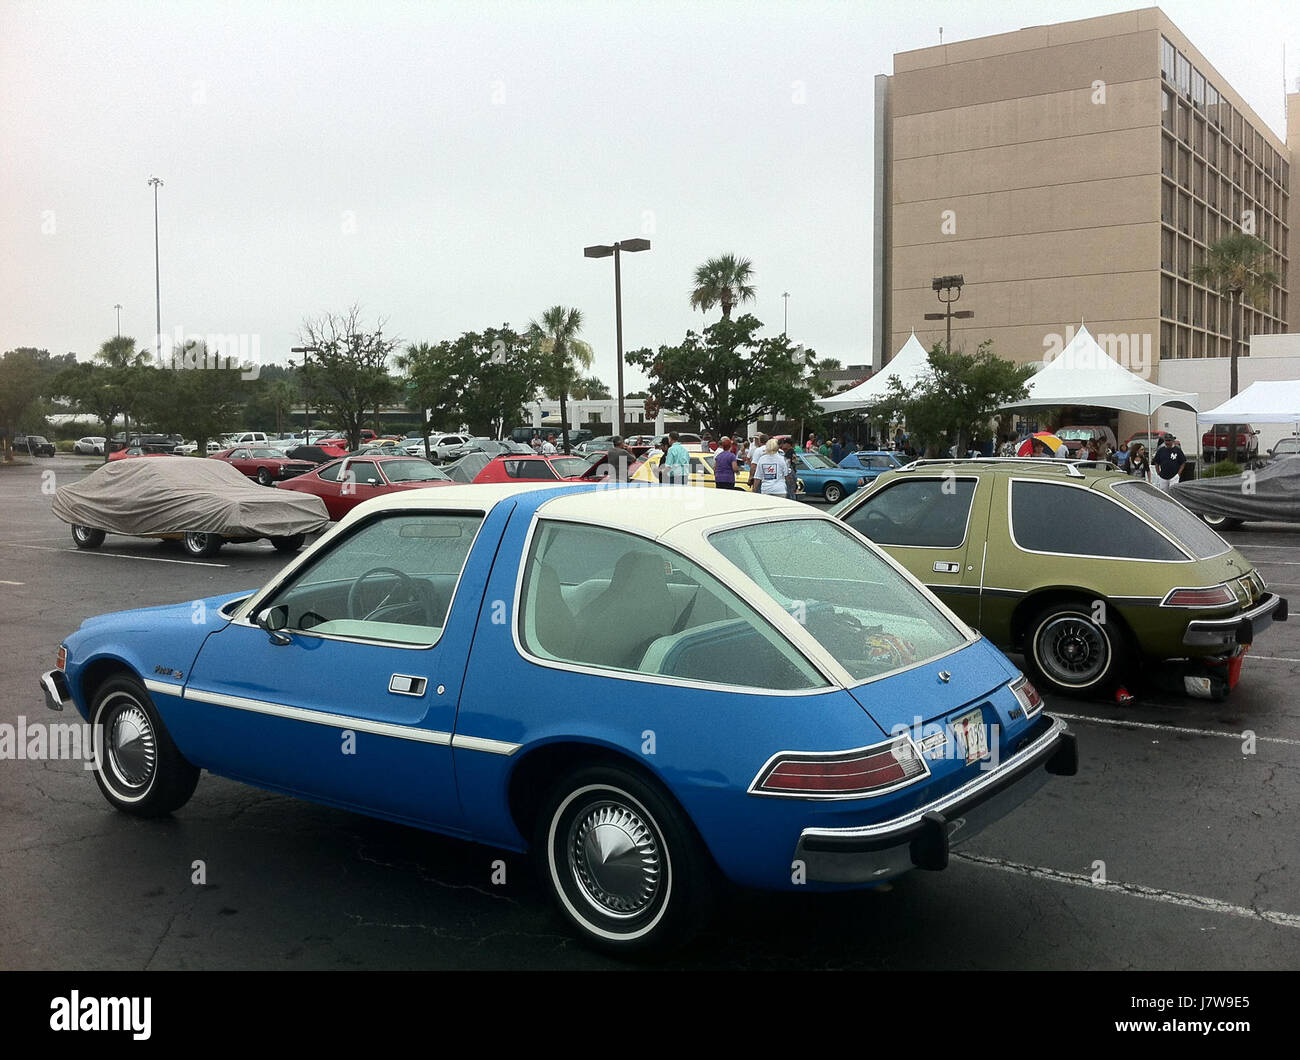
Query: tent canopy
[1085, 374]
[907, 366]
[1274, 402]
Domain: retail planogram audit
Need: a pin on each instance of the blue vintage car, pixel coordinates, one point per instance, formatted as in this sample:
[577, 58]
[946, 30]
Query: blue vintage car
[871, 463]
[815, 476]
[647, 689]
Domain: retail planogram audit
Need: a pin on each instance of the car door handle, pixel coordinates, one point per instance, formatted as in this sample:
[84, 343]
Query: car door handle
[407, 685]
[940, 567]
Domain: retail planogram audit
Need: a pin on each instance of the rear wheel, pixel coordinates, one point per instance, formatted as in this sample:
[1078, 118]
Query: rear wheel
[622, 862]
[85, 537]
[1072, 648]
[1221, 522]
[288, 544]
[137, 766]
[202, 545]
[834, 492]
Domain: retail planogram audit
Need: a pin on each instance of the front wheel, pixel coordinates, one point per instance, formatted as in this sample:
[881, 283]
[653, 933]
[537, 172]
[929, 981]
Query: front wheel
[263, 476]
[200, 545]
[622, 862]
[85, 537]
[1075, 648]
[137, 766]
[288, 544]
[834, 493]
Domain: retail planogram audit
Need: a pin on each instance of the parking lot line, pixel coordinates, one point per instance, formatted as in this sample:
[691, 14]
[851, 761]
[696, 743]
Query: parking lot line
[1173, 728]
[3, 582]
[1273, 658]
[113, 555]
[1136, 890]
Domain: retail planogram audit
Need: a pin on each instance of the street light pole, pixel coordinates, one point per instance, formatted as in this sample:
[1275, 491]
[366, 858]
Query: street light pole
[631, 246]
[785, 323]
[157, 282]
[939, 285]
[306, 390]
[118, 307]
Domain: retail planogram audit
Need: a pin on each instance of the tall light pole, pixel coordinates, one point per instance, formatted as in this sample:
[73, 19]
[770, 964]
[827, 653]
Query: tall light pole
[157, 283]
[118, 307]
[631, 246]
[785, 324]
[939, 285]
[306, 390]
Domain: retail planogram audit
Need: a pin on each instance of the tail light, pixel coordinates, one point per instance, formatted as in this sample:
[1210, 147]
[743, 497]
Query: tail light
[1027, 695]
[863, 772]
[61, 660]
[1213, 596]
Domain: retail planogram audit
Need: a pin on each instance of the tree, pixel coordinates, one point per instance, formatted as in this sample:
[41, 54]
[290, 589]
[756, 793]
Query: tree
[348, 374]
[722, 281]
[728, 377]
[590, 388]
[564, 356]
[480, 378]
[91, 388]
[1238, 264]
[26, 375]
[198, 402]
[958, 395]
[124, 364]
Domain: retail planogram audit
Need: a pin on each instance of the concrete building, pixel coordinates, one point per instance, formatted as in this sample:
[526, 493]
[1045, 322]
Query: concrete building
[1074, 172]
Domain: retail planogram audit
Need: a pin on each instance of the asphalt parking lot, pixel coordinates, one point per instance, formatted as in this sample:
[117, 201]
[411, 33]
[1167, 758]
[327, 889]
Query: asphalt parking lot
[1193, 833]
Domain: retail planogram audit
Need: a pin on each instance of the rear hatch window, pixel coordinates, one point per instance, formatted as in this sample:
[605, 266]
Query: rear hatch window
[1173, 518]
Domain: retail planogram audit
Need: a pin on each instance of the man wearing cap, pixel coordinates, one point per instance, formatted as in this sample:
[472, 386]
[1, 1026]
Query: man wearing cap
[1168, 462]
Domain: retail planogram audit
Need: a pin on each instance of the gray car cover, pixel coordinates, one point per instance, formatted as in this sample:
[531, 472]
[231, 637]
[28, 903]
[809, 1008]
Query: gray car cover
[172, 494]
[1272, 494]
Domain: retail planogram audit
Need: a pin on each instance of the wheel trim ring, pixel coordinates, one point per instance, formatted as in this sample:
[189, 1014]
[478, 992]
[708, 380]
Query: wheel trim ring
[1061, 670]
[558, 879]
[125, 726]
[613, 855]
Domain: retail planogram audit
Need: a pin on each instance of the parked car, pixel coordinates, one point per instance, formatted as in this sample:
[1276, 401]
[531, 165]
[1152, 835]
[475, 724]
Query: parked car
[312, 454]
[815, 476]
[525, 435]
[345, 483]
[1289, 446]
[595, 445]
[1087, 572]
[701, 472]
[1217, 443]
[33, 445]
[489, 447]
[243, 438]
[1271, 494]
[204, 504]
[134, 451]
[91, 445]
[871, 463]
[858, 740]
[534, 468]
[265, 465]
[1075, 437]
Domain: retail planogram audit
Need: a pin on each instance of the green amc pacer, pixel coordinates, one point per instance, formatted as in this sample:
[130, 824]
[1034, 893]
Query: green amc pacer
[1084, 570]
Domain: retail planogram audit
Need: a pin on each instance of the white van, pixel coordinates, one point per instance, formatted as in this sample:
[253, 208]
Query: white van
[244, 438]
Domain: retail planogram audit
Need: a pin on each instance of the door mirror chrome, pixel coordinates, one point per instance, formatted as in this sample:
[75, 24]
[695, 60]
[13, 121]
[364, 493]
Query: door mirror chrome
[273, 620]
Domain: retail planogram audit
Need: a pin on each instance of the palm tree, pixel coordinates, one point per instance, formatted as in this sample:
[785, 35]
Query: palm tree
[282, 395]
[566, 355]
[723, 281]
[123, 361]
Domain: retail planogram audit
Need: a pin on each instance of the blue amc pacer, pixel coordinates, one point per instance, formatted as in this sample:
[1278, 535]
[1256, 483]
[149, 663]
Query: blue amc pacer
[654, 689]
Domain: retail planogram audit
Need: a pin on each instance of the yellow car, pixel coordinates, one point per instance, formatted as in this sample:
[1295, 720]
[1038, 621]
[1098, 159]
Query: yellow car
[701, 470]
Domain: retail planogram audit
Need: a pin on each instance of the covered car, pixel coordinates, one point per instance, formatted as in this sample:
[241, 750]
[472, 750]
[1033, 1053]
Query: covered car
[203, 503]
[1269, 495]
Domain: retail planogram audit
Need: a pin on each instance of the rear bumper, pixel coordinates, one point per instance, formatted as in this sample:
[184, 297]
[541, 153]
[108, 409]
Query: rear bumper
[922, 838]
[54, 685]
[1236, 630]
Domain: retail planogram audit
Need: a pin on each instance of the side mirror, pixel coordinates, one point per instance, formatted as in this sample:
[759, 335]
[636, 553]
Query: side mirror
[273, 620]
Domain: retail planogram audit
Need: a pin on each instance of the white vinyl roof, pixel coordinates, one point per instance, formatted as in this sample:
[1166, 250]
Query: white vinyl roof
[1263, 402]
[907, 366]
[1085, 374]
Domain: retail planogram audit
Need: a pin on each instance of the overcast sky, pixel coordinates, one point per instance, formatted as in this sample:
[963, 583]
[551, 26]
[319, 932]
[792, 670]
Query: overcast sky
[443, 164]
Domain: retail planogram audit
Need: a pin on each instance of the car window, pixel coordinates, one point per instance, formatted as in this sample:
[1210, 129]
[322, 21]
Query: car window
[363, 471]
[330, 473]
[576, 465]
[926, 513]
[393, 579]
[529, 469]
[614, 601]
[1173, 518]
[857, 605]
[1072, 520]
[239, 454]
[415, 470]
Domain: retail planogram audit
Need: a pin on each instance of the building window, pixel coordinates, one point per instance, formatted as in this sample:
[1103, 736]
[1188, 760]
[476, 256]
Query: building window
[1198, 179]
[1198, 89]
[1184, 168]
[1212, 314]
[1198, 225]
[1167, 54]
[1212, 103]
[1182, 75]
[1183, 134]
[1167, 250]
[1180, 350]
[1167, 156]
[1167, 298]
[1184, 257]
[1166, 203]
[1166, 339]
[1198, 140]
[1184, 209]
[1167, 109]
[1184, 305]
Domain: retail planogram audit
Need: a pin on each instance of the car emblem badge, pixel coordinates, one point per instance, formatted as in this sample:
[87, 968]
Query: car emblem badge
[945, 676]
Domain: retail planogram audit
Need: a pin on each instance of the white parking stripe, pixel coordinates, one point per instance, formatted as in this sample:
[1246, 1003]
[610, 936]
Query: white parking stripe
[113, 555]
[1174, 728]
[1273, 658]
[3, 582]
[1135, 890]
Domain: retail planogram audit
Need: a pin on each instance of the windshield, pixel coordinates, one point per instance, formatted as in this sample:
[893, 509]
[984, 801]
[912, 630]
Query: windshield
[413, 471]
[267, 454]
[862, 610]
[1075, 434]
[569, 465]
[817, 461]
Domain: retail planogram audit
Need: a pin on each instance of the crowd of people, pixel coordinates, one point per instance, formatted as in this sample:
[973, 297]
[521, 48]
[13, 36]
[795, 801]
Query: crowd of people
[1162, 469]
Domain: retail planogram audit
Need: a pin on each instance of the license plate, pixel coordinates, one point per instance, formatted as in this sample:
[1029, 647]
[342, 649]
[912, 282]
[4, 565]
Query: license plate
[972, 736]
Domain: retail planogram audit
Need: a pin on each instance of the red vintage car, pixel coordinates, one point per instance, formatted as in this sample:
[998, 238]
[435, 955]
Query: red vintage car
[134, 451]
[343, 484]
[519, 468]
[266, 465]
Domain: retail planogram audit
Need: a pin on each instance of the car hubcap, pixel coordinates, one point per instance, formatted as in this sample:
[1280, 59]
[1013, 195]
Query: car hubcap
[196, 542]
[131, 746]
[1074, 650]
[614, 856]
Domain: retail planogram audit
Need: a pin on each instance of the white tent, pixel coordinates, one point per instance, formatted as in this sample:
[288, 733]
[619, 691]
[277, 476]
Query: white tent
[1275, 402]
[907, 366]
[1085, 374]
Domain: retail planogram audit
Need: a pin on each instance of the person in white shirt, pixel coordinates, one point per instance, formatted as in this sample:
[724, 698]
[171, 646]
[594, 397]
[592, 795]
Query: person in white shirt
[548, 446]
[755, 450]
[768, 471]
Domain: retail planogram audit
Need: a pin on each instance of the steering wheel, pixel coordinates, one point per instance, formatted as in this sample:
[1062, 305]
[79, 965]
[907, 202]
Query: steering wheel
[406, 584]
